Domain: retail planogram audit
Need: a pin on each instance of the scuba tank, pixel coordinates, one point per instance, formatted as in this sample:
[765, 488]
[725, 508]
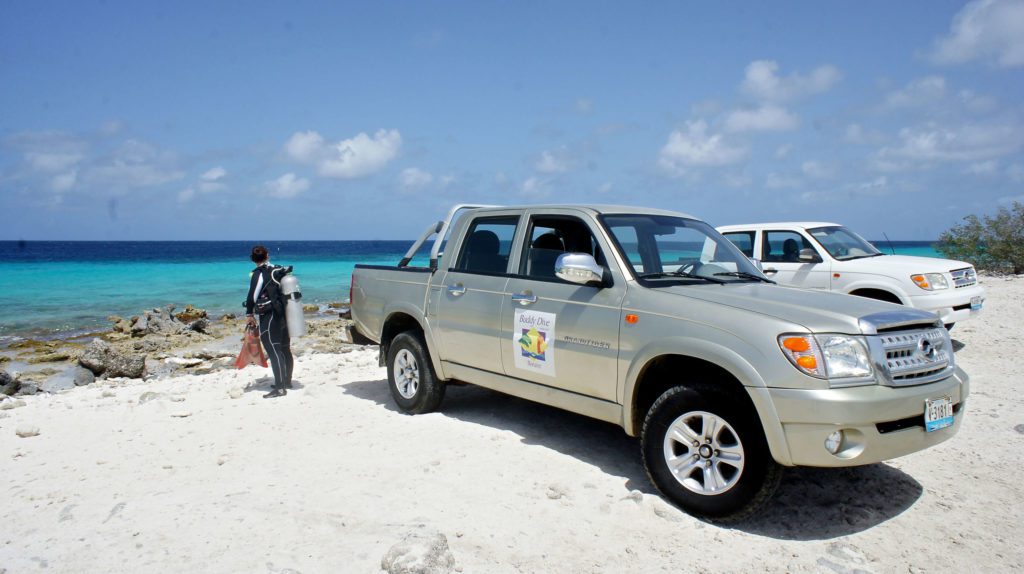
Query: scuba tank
[293, 306]
[291, 294]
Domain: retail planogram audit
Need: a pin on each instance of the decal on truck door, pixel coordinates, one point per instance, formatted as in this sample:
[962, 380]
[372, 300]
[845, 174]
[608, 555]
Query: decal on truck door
[533, 341]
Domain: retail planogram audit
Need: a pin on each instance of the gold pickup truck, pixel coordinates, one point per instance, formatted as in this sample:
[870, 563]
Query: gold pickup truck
[653, 321]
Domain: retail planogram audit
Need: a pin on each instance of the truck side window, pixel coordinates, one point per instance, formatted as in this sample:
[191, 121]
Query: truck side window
[784, 246]
[742, 239]
[487, 245]
[551, 236]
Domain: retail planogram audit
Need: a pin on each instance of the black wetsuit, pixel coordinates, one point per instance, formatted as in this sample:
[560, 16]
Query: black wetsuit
[273, 327]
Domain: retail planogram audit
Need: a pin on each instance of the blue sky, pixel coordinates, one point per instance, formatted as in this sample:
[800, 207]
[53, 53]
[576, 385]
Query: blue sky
[135, 120]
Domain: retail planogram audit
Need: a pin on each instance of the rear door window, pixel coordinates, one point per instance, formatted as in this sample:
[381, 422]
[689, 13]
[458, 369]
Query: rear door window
[742, 239]
[487, 245]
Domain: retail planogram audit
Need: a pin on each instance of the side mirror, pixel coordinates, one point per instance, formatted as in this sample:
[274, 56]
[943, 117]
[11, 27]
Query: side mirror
[808, 255]
[579, 268]
[756, 263]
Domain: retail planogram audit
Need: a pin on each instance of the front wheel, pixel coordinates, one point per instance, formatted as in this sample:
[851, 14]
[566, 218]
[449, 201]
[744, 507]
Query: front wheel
[411, 378]
[706, 452]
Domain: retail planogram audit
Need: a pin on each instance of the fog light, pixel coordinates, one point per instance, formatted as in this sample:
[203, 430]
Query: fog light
[834, 441]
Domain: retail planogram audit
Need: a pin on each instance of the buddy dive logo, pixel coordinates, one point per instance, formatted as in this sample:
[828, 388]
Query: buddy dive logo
[532, 344]
[533, 339]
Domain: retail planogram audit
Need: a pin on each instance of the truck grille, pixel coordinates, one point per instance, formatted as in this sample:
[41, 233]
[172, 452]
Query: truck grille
[965, 277]
[916, 357]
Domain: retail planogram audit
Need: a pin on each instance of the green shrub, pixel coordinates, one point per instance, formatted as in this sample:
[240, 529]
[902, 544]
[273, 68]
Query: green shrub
[993, 243]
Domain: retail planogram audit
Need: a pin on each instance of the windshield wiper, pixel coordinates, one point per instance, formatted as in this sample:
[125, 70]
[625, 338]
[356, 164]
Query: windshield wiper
[680, 274]
[862, 256]
[746, 275]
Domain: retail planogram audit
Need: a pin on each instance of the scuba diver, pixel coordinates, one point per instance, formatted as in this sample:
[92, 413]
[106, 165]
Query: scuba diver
[266, 301]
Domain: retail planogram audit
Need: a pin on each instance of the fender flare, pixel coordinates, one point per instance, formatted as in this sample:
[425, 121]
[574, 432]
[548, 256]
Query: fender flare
[722, 356]
[416, 314]
[896, 290]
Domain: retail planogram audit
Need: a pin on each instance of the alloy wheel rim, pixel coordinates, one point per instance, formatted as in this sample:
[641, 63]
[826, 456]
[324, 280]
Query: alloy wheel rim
[704, 453]
[407, 374]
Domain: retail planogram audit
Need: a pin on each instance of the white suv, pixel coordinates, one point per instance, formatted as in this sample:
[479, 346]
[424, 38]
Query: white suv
[829, 257]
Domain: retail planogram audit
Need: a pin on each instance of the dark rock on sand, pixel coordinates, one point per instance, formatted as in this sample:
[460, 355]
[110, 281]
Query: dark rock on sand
[8, 384]
[103, 359]
[27, 388]
[140, 326]
[200, 325]
[83, 376]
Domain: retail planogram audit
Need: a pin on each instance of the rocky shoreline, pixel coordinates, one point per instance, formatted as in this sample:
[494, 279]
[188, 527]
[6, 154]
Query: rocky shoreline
[156, 343]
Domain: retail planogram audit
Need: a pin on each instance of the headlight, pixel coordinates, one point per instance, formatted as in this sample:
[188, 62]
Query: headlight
[930, 281]
[828, 356]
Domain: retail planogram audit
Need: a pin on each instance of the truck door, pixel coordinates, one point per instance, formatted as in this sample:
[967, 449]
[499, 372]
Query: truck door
[780, 256]
[473, 292]
[554, 328]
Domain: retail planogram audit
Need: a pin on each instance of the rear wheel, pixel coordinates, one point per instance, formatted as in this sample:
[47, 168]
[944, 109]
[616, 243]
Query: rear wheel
[708, 454]
[411, 378]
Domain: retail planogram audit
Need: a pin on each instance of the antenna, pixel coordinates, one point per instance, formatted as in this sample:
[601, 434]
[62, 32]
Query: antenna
[891, 248]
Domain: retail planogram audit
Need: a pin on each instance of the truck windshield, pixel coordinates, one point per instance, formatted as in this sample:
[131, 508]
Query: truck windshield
[665, 249]
[843, 244]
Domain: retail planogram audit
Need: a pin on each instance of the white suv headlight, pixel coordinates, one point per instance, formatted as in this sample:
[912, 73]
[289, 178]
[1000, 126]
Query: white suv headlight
[829, 356]
[930, 281]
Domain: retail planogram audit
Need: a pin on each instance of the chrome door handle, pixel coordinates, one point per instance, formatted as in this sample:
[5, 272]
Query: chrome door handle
[457, 289]
[770, 271]
[524, 299]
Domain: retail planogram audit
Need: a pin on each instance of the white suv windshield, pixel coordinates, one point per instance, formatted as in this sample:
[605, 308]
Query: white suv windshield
[660, 247]
[843, 244]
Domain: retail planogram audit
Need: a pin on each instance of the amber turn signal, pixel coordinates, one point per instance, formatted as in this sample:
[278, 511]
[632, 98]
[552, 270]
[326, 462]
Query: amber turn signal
[807, 362]
[796, 344]
[632, 319]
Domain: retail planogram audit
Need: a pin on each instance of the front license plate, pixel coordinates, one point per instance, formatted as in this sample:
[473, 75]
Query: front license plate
[975, 303]
[938, 413]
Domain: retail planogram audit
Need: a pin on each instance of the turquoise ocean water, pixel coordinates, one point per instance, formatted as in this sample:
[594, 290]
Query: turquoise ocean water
[62, 289]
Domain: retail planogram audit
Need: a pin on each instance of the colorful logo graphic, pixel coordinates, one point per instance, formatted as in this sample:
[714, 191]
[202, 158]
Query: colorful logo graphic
[533, 344]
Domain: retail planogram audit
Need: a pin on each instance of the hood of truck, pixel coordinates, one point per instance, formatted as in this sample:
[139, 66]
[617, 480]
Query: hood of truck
[902, 266]
[817, 311]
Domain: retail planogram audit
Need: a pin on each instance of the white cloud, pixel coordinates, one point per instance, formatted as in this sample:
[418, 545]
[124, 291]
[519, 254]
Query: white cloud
[605, 187]
[992, 30]
[214, 174]
[989, 167]
[975, 102]
[534, 187]
[872, 188]
[358, 156]
[186, 195]
[919, 92]
[212, 180]
[135, 164]
[692, 146]
[288, 185]
[413, 178]
[763, 82]
[782, 152]
[553, 162]
[64, 181]
[765, 118]
[584, 106]
[968, 142]
[816, 170]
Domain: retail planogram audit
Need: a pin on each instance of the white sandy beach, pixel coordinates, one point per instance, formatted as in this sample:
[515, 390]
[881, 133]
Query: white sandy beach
[330, 477]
